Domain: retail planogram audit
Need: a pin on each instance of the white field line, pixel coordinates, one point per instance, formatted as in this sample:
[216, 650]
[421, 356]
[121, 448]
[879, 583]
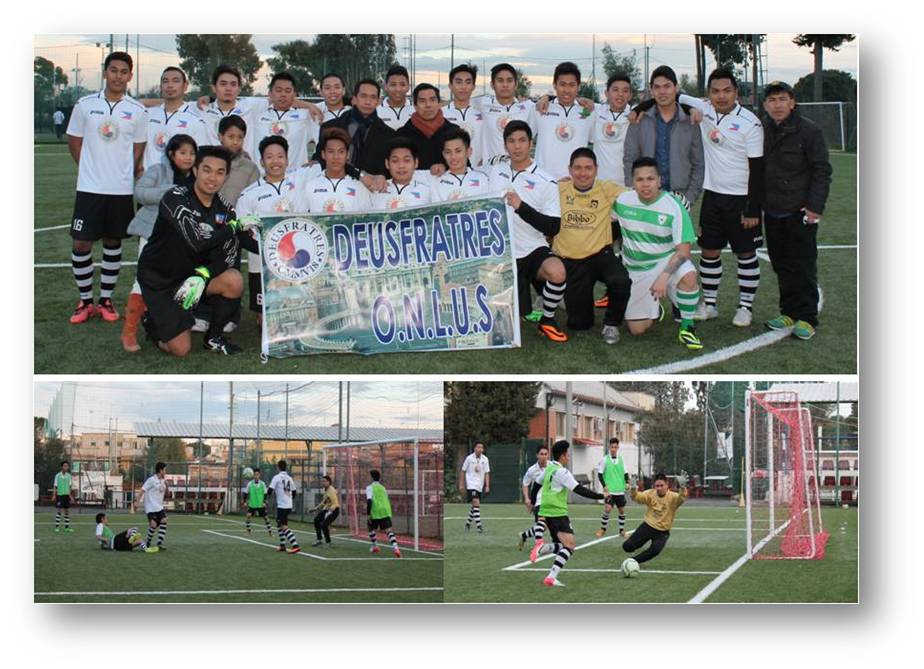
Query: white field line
[721, 355]
[53, 227]
[318, 557]
[131, 593]
[61, 265]
[597, 519]
[619, 571]
[549, 556]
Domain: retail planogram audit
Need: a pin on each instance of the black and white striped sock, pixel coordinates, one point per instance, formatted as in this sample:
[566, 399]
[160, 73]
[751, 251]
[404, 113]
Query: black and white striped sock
[372, 536]
[150, 536]
[553, 547]
[112, 263]
[161, 534]
[281, 535]
[393, 540]
[710, 276]
[82, 266]
[552, 295]
[476, 514]
[471, 516]
[57, 519]
[622, 521]
[291, 538]
[246, 522]
[563, 556]
[269, 528]
[604, 521]
[748, 280]
[539, 530]
[67, 520]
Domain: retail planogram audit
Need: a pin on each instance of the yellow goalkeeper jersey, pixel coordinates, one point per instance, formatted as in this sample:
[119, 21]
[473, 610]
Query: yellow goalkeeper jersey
[330, 501]
[661, 510]
[585, 219]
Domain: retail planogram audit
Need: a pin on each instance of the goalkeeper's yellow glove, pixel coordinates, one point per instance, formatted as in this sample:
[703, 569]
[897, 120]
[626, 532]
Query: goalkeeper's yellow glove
[191, 291]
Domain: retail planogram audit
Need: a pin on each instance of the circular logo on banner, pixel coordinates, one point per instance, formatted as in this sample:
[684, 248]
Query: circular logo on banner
[109, 130]
[296, 250]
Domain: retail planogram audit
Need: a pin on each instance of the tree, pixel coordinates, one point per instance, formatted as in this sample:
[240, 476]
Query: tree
[47, 80]
[617, 63]
[589, 91]
[838, 86]
[296, 58]
[200, 449]
[523, 84]
[48, 456]
[166, 449]
[688, 86]
[489, 412]
[201, 54]
[818, 43]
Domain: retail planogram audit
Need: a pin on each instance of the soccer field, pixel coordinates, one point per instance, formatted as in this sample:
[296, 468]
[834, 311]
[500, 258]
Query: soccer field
[705, 540]
[210, 559]
[94, 347]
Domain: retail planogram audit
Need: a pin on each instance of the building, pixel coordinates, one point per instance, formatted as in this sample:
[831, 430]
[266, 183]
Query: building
[598, 412]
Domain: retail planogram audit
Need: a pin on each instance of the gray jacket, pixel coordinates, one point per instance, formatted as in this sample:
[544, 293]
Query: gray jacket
[149, 189]
[688, 167]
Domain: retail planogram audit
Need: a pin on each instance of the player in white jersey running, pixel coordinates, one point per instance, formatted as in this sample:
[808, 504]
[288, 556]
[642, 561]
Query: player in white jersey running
[394, 109]
[565, 125]
[105, 137]
[460, 180]
[338, 188]
[153, 493]
[476, 477]
[175, 116]
[733, 144]
[532, 496]
[334, 105]
[403, 190]
[500, 109]
[283, 119]
[284, 488]
[533, 195]
[462, 112]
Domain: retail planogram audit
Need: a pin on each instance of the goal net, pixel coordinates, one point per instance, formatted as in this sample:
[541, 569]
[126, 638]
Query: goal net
[412, 473]
[783, 509]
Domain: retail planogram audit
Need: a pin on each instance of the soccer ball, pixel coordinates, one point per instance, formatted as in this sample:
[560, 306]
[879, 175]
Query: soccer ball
[248, 473]
[630, 568]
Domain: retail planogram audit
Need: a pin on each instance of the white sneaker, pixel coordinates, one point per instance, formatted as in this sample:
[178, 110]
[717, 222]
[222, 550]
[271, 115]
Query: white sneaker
[610, 334]
[200, 325]
[230, 326]
[705, 312]
[742, 317]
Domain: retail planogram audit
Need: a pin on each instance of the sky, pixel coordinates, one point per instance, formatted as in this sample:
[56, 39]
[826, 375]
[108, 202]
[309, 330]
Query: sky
[537, 54]
[373, 403]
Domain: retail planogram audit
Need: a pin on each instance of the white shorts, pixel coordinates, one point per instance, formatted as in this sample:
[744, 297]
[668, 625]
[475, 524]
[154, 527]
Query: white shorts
[642, 304]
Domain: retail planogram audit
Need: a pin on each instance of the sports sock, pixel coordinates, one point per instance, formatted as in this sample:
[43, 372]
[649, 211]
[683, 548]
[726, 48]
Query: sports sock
[246, 522]
[161, 534]
[686, 303]
[539, 530]
[67, 521]
[291, 538]
[710, 276]
[476, 514]
[82, 266]
[471, 516]
[563, 556]
[372, 536]
[748, 280]
[223, 309]
[553, 547]
[57, 519]
[281, 536]
[552, 295]
[622, 521]
[526, 534]
[604, 521]
[112, 263]
[266, 522]
[150, 536]
[393, 540]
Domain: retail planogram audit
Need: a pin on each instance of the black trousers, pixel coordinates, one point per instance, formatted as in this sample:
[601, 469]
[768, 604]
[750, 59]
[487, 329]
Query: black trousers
[323, 521]
[641, 536]
[582, 275]
[793, 252]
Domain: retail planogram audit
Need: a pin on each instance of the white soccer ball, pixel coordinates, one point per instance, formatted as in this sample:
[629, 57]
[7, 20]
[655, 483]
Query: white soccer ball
[248, 472]
[630, 568]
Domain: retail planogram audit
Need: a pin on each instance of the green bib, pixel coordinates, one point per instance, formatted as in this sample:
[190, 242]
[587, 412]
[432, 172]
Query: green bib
[381, 507]
[614, 474]
[554, 504]
[256, 495]
[63, 483]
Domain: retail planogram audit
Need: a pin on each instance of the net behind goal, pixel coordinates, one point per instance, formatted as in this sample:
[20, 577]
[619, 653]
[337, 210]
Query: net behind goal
[412, 473]
[783, 509]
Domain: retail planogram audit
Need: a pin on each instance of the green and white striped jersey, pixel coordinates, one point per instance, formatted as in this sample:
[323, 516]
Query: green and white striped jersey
[651, 231]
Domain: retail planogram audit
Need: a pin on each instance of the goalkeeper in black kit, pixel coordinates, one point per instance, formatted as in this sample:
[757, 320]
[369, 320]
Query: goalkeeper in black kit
[192, 255]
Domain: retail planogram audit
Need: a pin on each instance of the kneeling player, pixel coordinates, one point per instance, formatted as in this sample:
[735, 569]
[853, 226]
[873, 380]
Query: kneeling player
[657, 235]
[256, 502]
[191, 254]
[108, 540]
[532, 496]
[556, 484]
[662, 504]
[378, 509]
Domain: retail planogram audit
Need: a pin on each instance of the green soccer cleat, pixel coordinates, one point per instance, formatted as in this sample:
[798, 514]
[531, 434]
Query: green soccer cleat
[802, 330]
[151, 549]
[57, 530]
[533, 316]
[781, 322]
[689, 339]
[71, 529]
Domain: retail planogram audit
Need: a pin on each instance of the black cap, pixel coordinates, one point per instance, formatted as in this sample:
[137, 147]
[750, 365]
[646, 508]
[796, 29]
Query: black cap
[778, 87]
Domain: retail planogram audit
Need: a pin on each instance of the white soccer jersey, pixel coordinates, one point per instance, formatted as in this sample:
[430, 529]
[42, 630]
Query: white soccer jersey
[450, 186]
[154, 490]
[246, 108]
[162, 125]
[394, 117]
[728, 141]
[496, 118]
[471, 120]
[283, 487]
[609, 140]
[535, 474]
[538, 189]
[395, 196]
[475, 468]
[559, 132]
[328, 116]
[109, 132]
[263, 198]
[323, 195]
[296, 125]
[562, 478]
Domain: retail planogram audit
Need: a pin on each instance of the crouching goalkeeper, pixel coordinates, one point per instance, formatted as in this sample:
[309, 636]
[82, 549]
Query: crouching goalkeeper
[191, 255]
[108, 540]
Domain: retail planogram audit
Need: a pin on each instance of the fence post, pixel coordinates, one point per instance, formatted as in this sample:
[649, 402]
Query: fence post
[840, 107]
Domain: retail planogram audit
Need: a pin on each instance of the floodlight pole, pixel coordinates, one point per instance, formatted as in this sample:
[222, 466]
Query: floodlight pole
[706, 434]
[416, 495]
[747, 467]
[199, 486]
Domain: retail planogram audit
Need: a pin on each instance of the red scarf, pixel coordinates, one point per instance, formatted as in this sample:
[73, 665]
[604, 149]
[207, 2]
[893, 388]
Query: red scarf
[428, 128]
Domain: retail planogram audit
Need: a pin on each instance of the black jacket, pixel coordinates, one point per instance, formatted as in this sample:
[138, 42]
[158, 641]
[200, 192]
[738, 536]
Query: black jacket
[429, 151]
[798, 173]
[375, 145]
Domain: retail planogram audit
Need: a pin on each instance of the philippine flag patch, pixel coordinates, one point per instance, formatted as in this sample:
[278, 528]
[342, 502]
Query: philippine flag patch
[182, 124]
[126, 116]
[530, 185]
[351, 191]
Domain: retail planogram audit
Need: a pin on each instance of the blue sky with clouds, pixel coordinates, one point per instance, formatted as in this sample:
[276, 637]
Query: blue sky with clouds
[535, 53]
